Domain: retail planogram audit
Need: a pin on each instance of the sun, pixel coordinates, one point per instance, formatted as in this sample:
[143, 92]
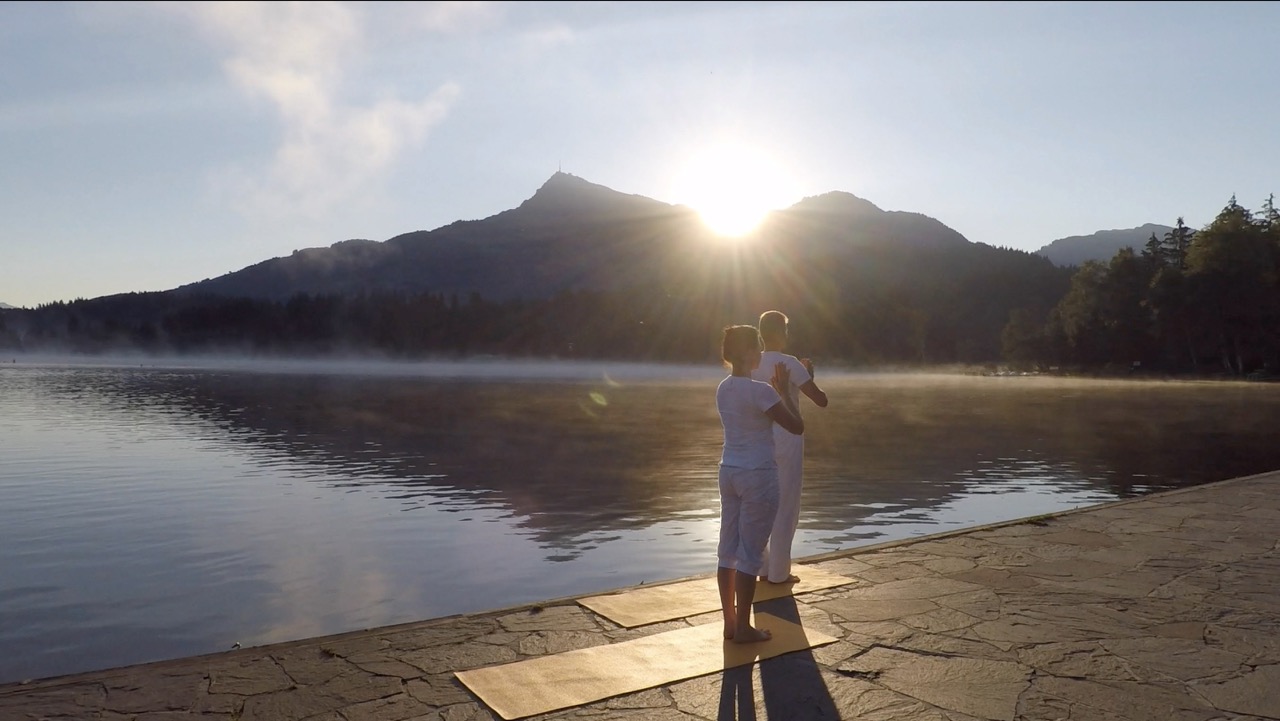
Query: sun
[733, 186]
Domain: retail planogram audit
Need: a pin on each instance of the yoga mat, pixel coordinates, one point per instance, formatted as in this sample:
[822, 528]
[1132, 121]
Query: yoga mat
[582, 676]
[651, 604]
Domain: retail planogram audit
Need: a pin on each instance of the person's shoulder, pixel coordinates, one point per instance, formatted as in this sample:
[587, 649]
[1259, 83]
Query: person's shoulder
[763, 388]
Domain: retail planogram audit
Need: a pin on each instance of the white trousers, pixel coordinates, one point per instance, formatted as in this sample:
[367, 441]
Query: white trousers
[788, 451]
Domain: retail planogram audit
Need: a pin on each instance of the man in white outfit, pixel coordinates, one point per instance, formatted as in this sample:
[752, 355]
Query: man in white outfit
[788, 448]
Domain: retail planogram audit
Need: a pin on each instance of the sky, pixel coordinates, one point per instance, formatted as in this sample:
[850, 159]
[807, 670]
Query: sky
[144, 146]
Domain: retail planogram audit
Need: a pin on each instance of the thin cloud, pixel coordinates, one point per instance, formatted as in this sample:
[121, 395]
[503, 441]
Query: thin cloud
[454, 17]
[295, 56]
[460, 18]
[548, 36]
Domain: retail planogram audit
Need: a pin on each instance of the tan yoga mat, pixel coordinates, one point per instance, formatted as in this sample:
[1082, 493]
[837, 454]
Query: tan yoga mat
[582, 676]
[651, 604]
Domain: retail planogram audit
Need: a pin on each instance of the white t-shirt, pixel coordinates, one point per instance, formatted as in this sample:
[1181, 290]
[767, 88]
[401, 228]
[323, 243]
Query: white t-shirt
[799, 376]
[748, 432]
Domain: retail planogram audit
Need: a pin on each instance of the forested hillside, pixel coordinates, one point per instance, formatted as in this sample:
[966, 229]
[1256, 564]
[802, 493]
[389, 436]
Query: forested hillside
[580, 270]
[1077, 249]
[1193, 301]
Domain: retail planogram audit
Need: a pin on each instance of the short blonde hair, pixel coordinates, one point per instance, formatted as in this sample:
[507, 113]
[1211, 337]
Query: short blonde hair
[773, 324]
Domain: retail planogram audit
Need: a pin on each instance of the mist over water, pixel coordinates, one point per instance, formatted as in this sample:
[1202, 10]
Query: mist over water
[153, 509]
[477, 368]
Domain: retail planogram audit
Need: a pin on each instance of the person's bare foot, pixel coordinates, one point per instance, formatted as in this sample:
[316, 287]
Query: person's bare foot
[752, 635]
[730, 623]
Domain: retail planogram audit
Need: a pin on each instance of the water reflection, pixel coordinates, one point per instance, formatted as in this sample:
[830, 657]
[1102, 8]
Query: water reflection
[561, 463]
[195, 507]
[568, 460]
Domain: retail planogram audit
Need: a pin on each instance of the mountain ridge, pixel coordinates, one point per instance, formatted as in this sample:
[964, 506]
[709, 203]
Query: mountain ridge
[581, 270]
[1102, 245]
[556, 240]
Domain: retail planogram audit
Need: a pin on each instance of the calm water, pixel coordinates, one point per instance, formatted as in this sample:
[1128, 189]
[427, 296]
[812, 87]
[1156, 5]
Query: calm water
[164, 511]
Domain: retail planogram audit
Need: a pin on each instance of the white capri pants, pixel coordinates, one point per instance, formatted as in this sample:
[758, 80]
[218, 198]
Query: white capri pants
[748, 504]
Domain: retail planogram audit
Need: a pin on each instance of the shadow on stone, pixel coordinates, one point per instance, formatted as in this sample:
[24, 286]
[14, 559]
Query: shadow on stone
[737, 695]
[792, 684]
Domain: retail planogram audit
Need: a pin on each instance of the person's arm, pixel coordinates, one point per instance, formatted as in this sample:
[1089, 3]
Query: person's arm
[784, 412]
[785, 417]
[810, 387]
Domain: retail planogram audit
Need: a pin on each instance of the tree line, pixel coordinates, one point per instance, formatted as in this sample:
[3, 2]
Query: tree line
[856, 323]
[1202, 302]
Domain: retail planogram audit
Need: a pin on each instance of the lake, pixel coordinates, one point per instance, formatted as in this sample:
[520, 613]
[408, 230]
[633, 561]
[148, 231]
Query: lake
[155, 510]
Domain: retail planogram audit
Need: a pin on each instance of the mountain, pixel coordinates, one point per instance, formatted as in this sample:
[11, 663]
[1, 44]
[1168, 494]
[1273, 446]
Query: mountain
[581, 270]
[1102, 245]
[571, 235]
[4, 306]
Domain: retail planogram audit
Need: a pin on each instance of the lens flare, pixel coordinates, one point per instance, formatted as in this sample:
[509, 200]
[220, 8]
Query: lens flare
[733, 186]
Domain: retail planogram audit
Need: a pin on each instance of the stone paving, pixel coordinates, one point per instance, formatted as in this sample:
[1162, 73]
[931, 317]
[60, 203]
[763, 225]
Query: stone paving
[1165, 607]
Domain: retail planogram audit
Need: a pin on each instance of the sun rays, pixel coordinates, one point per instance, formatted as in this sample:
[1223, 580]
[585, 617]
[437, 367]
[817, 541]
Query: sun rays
[733, 186]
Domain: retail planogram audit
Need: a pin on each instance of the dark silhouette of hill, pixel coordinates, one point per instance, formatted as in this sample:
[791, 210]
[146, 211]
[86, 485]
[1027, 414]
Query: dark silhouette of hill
[573, 235]
[579, 269]
[1102, 245]
[583, 271]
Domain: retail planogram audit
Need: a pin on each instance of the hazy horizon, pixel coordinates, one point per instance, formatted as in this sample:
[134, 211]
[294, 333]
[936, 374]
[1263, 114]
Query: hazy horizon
[488, 367]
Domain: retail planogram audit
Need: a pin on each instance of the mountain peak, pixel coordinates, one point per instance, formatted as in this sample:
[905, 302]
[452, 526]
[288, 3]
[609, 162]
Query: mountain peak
[566, 195]
[561, 179]
[837, 201]
[564, 187]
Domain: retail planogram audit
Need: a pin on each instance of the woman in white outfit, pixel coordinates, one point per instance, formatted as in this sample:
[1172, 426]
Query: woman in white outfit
[748, 475]
[788, 449]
